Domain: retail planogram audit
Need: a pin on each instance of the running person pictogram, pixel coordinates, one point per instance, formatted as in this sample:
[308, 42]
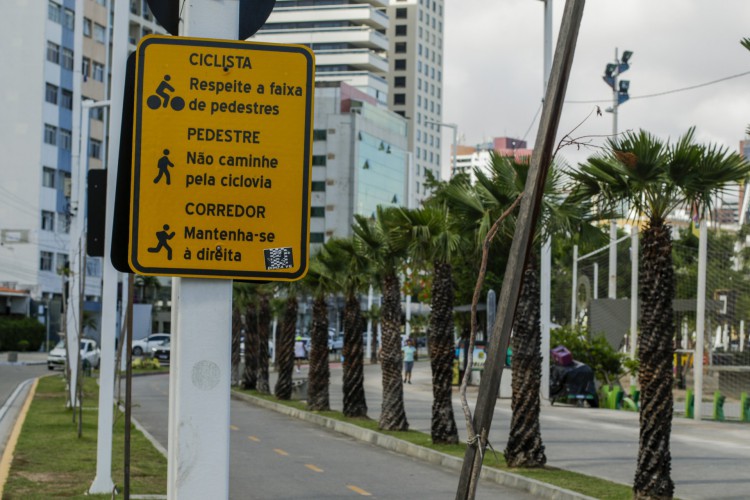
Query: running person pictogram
[163, 237]
[163, 166]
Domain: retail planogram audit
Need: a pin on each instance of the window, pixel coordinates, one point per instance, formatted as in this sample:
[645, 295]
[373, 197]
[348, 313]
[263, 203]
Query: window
[400, 64]
[85, 67]
[93, 267]
[87, 27]
[63, 223]
[102, 2]
[320, 135]
[400, 47]
[48, 177]
[45, 261]
[62, 261]
[98, 73]
[95, 149]
[401, 30]
[319, 160]
[399, 81]
[54, 12]
[50, 134]
[317, 238]
[69, 19]
[317, 212]
[66, 139]
[399, 98]
[50, 95]
[100, 33]
[66, 58]
[48, 220]
[66, 99]
[401, 13]
[97, 113]
[53, 52]
[318, 186]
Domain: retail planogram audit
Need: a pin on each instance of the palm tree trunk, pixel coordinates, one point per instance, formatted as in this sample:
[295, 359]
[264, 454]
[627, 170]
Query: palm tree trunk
[250, 375]
[236, 337]
[656, 351]
[392, 415]
[525, 448]
[353, 368]
[285, 348]
[444, 429]
[264, 320]
[318, 379]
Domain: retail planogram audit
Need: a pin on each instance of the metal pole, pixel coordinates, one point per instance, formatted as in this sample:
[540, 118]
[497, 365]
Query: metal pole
[545, 288]
[573, 292]
[528, 214]
[455, 149]
[368, 351]
[700, 319]
[612, 294]
[596, 280]
[128, 388]
[200, 374]
[633, 296]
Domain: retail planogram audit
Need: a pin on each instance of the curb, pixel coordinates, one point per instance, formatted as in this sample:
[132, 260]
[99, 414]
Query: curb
[10, 447]
[537, 488]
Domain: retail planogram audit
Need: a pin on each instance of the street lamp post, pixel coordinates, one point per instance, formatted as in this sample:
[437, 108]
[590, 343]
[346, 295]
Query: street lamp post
[455, 140]
[619, 95]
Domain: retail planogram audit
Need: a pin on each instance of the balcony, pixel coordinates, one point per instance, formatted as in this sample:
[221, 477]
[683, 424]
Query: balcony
[356, 14]
[358, 37]
[361, 59]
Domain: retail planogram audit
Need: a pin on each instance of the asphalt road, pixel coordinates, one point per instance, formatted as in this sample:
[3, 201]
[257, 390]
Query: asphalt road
[279, 457]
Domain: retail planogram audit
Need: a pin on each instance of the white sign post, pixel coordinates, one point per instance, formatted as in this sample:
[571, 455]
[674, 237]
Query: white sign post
[200, 374]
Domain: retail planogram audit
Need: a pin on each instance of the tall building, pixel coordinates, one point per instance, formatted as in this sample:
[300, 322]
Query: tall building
[36, 130]
[360, 159]
[415, 61]
[347, 36]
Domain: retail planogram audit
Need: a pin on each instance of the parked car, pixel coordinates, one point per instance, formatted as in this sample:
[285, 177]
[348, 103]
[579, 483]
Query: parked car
[89, 352]
[144, 346]
[161, 352]
[335, 342]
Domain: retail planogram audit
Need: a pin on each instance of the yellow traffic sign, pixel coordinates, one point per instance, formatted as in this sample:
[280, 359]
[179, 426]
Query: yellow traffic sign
[221, 159]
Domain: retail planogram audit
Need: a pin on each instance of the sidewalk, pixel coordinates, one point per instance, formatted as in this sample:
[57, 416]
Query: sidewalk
[597, 442]
[23, 358]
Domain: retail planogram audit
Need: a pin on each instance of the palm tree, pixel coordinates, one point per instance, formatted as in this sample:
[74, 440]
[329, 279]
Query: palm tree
[380, 242]
[655, 178]
[349, 269]
[320, 283]
[264, 321]
[250, 375]
[433, 238]
[241, 297]
[285, 346]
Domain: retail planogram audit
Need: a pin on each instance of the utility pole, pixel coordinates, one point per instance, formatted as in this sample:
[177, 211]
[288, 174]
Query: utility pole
[528, 215]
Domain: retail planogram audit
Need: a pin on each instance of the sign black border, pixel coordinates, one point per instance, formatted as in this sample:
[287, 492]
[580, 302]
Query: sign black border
[135, 178]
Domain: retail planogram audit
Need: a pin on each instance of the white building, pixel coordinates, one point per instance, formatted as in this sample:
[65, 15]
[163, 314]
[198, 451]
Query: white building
[415, 61]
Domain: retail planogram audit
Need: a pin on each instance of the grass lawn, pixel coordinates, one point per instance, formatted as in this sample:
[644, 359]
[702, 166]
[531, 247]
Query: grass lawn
[50, 461]
[587, 485]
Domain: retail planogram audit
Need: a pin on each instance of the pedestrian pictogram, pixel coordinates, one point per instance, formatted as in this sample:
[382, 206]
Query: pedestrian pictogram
[163, 238]
[227, 126]
[163, 166]
[162, 98]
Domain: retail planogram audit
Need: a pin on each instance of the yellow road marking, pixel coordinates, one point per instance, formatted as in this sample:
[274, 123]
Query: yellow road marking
[281, 452]
[253, 438]
[234, 427]
[313, 468]
[359, 490]
[10, 447]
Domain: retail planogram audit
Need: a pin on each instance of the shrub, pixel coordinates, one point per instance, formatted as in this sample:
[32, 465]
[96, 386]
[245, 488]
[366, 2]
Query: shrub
[14, 331]
[593, 350]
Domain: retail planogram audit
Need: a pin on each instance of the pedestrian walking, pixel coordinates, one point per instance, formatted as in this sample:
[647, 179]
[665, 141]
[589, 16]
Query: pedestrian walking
[300, 351]
[409, 352]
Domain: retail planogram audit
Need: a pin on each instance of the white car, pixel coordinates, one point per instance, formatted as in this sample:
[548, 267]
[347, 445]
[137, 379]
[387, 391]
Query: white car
[145, 346]
[89, 352]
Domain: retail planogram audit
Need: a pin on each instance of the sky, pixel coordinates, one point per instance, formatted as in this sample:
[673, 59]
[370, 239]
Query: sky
[493, 64]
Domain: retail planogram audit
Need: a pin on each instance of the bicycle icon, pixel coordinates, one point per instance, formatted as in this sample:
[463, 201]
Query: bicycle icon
[161, 99]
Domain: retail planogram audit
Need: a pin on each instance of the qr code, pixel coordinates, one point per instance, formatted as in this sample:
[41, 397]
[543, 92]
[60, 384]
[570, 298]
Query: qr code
[278, 258]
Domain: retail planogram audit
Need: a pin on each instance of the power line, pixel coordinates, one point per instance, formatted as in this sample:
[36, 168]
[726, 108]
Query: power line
[666, 92]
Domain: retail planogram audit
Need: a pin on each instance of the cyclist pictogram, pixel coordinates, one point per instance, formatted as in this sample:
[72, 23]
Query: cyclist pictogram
[161, 99]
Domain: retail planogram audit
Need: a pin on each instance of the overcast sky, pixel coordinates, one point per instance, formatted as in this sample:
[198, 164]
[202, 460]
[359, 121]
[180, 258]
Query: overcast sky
[493, 58]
